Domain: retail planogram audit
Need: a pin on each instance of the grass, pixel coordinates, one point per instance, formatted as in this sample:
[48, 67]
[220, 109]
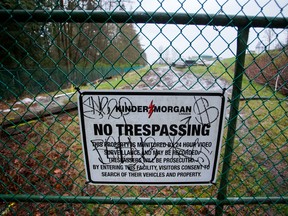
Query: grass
[51, 154]
[129, 80]
[259, 161]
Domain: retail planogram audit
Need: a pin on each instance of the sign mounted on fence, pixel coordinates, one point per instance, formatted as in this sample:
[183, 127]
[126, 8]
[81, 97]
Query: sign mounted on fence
[151, 137]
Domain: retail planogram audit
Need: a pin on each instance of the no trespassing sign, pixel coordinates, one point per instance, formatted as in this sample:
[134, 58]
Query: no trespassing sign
[151, 137]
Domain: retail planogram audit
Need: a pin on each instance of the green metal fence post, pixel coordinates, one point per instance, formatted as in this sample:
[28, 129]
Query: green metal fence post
[242, 39]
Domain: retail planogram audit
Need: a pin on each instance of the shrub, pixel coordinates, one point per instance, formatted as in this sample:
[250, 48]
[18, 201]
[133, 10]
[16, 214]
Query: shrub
[271, 69]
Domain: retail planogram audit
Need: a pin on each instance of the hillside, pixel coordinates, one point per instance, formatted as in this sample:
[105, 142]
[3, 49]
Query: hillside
[270, 68]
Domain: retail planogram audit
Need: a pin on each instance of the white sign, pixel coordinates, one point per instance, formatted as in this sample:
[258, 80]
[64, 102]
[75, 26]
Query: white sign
[151, 137]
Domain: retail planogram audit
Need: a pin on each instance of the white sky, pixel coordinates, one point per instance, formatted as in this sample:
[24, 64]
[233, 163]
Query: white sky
[194, 40]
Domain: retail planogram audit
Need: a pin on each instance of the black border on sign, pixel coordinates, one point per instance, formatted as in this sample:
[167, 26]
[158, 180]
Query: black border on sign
[159, 93]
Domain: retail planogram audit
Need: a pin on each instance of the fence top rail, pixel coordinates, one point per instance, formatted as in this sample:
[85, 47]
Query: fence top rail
[141, 17]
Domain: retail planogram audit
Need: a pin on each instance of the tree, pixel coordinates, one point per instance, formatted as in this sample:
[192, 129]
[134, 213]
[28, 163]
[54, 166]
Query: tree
[22, 44]
[27, 47]
[22, 48]
[128, 47]
[269, 35]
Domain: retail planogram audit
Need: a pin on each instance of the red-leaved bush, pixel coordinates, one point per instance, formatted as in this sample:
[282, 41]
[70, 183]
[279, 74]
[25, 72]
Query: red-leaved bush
[271, 68]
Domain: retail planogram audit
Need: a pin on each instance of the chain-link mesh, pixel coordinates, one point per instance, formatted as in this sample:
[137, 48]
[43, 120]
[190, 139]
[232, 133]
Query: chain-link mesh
[47, 48]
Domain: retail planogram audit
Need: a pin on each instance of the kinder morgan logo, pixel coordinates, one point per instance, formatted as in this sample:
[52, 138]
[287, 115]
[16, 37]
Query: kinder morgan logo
[152, 108]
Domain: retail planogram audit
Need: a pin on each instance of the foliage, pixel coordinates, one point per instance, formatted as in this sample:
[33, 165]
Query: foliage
[270, 68]
[37, 57]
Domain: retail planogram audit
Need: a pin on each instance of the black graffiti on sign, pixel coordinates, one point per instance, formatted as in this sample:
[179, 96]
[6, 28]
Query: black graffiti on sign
[113, 108]
[135, 158]
[104, 106]
[115, 151]
[205, 114]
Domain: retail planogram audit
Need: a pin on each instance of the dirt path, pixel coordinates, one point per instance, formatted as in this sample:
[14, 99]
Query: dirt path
[165, 78]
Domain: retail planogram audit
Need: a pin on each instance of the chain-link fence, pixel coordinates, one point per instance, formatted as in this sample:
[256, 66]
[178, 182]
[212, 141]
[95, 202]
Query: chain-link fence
[47, 48]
